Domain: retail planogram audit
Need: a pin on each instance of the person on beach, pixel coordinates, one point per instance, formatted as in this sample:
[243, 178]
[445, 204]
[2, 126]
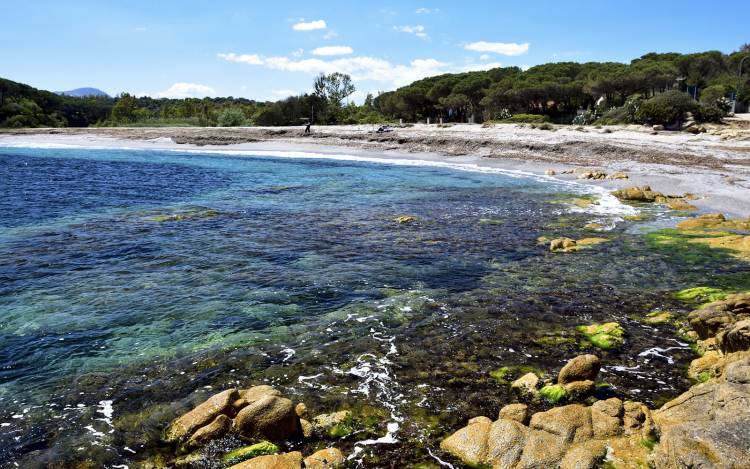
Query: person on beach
[307, 127]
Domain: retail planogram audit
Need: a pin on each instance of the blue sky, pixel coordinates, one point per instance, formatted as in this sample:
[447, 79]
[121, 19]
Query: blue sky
[268, 50]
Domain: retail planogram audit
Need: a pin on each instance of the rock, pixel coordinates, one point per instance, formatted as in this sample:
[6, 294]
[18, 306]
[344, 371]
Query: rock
[550, 172]
[637, 419]
[291, 460]
[658, 317]
[612, 407]
[195, 460]
[248, 452]
[505, 443]
[307, 428]
[658, 128]
[680, 204]
[604, 336]
[587, 455]
[542, 450]
[325, 422]
[216, 429]
[714, 317]
[572, 423]
[517, 412]
[702, 368]
[578, 390]
[606, 418]
[580, 368]
[469, 444]
[301, 410]
[270, 417]
[592, 175]
[618, 175]
[329, 458]
[637, 194]
[593, 226]
[405, 219]
[526, 385]
[202, 415]
[562, 244]
[736, 338]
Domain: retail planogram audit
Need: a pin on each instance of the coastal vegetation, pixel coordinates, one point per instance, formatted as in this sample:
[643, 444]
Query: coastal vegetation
[657, 88]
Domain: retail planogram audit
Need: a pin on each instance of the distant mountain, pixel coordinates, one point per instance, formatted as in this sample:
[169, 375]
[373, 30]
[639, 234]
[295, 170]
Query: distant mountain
[83, 92]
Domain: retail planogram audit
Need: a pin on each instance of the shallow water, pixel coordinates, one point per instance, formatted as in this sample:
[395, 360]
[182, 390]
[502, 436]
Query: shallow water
[135, 282]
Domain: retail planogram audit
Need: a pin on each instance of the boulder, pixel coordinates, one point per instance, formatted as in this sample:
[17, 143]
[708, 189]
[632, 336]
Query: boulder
[586, 455]
[580, 368]
[572, 423]
[578, 390]
[702, 368]
[526, 385]
[562, 244]
[301, 410]
[593, 175]
[291, 460]
[637, 194]
[618, 175]
[735, 338]
[542, 450]
[329, 458]
[505, 443]
[517, 412]
[469, 444]
[202, 415]
[270, 417]
[216, 429]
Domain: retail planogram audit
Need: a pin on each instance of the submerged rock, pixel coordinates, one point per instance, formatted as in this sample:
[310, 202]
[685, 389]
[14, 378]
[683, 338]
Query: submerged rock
[248, 452]
[405, 219]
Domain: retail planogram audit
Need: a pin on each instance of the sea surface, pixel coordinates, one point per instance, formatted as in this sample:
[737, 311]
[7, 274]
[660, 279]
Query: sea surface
[134, 283]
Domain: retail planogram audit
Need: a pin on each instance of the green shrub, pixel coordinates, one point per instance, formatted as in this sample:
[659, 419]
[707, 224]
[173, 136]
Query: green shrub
[713, 93]
[666, 108]
[708, 114]
[525, 119]
[232, 117]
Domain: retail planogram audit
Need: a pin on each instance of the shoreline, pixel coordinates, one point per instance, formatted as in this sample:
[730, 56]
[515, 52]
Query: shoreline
[717, 171]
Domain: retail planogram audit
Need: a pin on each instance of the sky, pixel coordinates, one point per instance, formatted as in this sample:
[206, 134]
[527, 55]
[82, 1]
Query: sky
[272, 49]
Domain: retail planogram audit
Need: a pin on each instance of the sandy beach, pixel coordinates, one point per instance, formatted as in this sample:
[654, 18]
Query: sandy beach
[714, 166]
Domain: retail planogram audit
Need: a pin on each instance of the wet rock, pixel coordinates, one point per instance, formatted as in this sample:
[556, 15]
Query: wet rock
[562, 244]
[593, 175]
[270, 417]
[405, 219]
[618, 175]
[329, 458]
[680, 204]
[637, 194]
[202, 415]
[580, 368]
[593, 226]
[526, 385]
[307, 428]
[517, 412]
[332, 424]
[216, 429]
[549, 172]
[658, 317]
[735, 338]
[301, 410]
[291, 460]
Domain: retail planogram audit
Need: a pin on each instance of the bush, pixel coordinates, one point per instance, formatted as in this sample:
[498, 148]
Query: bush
[585, 118]
[711, 94]
[666, 108]
[232, 117]
[525, 119]
[708, 114]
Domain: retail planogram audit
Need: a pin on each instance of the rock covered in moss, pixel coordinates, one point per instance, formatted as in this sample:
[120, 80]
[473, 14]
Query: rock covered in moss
[604, 336]
[248, 452]
[553, 393]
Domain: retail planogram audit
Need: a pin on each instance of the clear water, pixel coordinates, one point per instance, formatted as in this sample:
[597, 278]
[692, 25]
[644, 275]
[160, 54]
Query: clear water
[133, 279]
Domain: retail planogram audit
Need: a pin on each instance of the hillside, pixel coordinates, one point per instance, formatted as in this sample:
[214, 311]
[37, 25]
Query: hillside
[83, 92]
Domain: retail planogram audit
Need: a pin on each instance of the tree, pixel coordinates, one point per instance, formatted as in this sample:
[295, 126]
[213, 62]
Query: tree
[232, 117]
[334, 87]
[124, 109]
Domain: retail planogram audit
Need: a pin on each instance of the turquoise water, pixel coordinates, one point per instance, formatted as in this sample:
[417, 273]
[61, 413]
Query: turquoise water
[132, 279]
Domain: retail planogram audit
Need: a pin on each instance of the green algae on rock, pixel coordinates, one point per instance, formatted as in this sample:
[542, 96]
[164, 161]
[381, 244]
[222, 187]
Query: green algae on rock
[701, 294]
[554, 393]
[248, 452]
[658, 317]
[604, 336]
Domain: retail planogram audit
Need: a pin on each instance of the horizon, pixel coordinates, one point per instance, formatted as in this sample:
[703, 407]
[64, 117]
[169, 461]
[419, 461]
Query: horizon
[189, 50]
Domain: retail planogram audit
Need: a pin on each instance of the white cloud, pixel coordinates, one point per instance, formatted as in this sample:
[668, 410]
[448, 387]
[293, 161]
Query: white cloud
[417, 30]
[298, 53]
[484, 57]
[502, 48]
[421, 11]
[309, 26]
[251, 59]
[330, 35]
[186, 90]
[360, 68]
[332, 50]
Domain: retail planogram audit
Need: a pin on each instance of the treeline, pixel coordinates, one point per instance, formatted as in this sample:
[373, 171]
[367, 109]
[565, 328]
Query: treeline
[560, 91]
[655, 88]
